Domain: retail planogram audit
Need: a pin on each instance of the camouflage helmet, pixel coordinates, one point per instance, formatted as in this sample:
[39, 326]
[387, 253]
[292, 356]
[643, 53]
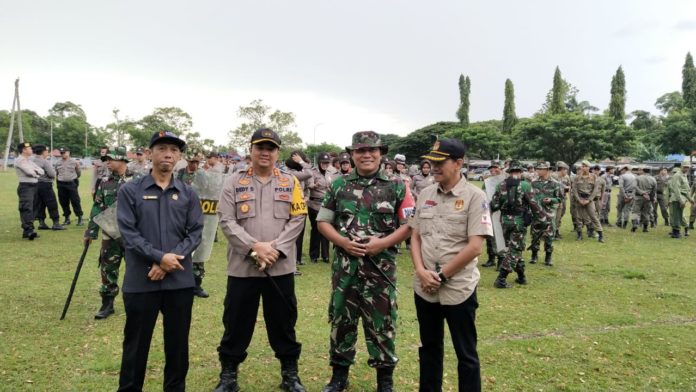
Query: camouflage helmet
[364, 139]
[117, 154]
[515, 165]
[541, 165]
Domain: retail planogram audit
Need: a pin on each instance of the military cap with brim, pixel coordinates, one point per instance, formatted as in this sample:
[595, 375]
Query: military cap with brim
[63, 149]
[367, 139]
[140, 151]
[585, 163]
[562, 165]
[515, 165]
[116, 154]
[265, 135]
[324, 157]
[541, 165]
[22, 146]
[444, 149]
[167, 137]
[344, 157]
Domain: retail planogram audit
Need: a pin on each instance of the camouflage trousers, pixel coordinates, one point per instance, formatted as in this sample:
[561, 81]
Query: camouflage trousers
[199, 270]
[619, 209]
[692, 214]
[641, 211]
[110, 257]
[543, 231]
[514, 232]
[360, 291]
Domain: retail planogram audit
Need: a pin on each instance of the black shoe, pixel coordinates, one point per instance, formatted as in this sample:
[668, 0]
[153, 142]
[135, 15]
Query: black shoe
[300, 262]
[645, 227]
[535, 257]
[79, 221]
[228, 378]
[600, 236]
[30, 235]
[489, 263]
[691, 225]
[675, 234]
[521, 279]
[549, 259]
[107, 308]
[666, 222]
[325, 260]
[66, 222]
[590, 233]
[385, 381]
[57, 226]
[291, 381]
[623, 225]
[314, 261]
[500, 282]
[43, 225]
[339, 380]
[634, 228]
[198, 290]
[578, 236]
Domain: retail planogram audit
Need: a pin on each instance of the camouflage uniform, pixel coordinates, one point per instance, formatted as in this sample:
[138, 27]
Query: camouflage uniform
[359, 207]
[515, 198]
[545, 228]
[564, 180]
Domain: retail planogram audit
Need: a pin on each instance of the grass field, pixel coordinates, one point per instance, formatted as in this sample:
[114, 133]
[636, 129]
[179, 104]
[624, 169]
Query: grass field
[619, 316]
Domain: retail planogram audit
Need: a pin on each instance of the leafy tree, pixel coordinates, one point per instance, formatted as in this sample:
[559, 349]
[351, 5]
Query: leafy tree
[258, 115]
[464, 103]
[421, 140]
[678, 135]
[568, 97]
[669, 102]
[689, 82]
[71, 129]
[643, 120]
[313, 149]
[393, 142]
[558, 94]
[509, 116]
[172, 119]
[483, 140]
[617, 103]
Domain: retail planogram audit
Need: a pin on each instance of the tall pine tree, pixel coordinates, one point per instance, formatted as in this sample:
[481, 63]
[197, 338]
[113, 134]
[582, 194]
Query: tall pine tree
[617, 103]
[689, 82]
[557, 94]
[464, 91]
[509, 116]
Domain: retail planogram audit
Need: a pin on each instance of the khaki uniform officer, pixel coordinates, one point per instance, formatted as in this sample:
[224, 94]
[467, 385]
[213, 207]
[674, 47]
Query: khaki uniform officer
[452, 219]
[585, 188]
[262, 211]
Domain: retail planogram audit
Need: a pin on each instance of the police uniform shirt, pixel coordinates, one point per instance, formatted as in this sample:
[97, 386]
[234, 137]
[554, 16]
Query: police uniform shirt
[154, 221]
[445, 221]
[27, 171]
[49, 172]
[318, 185]
[68, 170]
[251, 211]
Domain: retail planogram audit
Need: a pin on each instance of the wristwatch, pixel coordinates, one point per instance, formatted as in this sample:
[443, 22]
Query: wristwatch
[438, 269]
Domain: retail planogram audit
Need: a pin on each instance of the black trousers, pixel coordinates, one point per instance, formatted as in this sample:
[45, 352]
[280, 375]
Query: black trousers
[299, 242]
[460, 319]
[142, 310]
[46, 199]
[279, 314]
[317, 241]
[67, 195]
[26, 192]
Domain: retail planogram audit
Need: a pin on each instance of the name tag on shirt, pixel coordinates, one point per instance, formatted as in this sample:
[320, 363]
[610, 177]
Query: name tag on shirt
[149, 197]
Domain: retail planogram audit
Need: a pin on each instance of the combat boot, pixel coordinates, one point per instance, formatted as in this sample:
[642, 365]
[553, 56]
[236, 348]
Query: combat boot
[43, 225]
[634, 226]
[624, 224]
[291, 380]
[79, 221]
[339, 380]
[666, 222]
[500, 282]
[107, 308]
[521, 279]
[675, 233]
[578, 236]
[548, 260]
[66, 222]
[600, 236]
[198, 290]
[691, 225]
[228, 377]
[57, 226]
[645, 227]
[490, 262]
[686, 232]
[535, 257]
[590, 233]
[385, 382]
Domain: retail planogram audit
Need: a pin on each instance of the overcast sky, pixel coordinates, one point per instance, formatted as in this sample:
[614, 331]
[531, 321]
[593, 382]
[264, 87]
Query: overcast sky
[341, 67]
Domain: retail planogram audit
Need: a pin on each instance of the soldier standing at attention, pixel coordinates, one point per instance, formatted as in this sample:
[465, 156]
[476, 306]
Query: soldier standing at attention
[661, 201]
[68, 171]
[561, 175]
[585, 189]
[112, 250]
[451, 220]
[45, 197]
[28, 174]
[318, 185]
[358, 216]
[627, 190]
[262, 211]
[547, 193]
[678, 188]
[160, 221]
[513, 197]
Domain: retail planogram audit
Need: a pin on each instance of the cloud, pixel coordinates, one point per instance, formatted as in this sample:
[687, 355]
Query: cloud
[655, 59]
[685, 25]
[635, 28]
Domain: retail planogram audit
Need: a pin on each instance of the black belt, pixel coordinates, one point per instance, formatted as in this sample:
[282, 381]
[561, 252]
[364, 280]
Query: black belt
[316, 198]
[67, 182]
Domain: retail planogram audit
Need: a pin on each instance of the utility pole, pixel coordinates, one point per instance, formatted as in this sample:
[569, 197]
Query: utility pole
[15, 104]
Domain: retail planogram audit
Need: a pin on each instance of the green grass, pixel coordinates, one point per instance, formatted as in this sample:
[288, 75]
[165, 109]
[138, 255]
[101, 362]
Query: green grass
[619, 316]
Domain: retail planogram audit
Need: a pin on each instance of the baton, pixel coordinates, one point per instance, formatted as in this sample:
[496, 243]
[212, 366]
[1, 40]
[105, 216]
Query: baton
[74, 280]
[255, 259]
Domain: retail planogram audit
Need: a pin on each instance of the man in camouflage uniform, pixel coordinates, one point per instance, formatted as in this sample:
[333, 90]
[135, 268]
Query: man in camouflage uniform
[494, 169]
[602, 185]
[562, 177]
[585, 188]
[661, 200]
[112, 250]
[359, 216]
[678, 188]
[646, 187]
[514, 197]
[547, 193]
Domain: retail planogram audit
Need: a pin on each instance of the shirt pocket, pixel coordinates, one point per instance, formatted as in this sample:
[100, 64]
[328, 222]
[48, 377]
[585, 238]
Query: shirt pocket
[245, 204]
[281, 205]
[425, 223]
[456, 225]
[383, 216]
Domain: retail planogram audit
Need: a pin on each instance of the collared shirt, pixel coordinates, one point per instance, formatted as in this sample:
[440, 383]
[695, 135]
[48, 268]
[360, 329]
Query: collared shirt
[27, 171]
[68, 169]
[139, 168]
[445, 221]
[49, 172]
[251, 210]
[99, 172]
[627, 184]
[154, 221]
[318, 185]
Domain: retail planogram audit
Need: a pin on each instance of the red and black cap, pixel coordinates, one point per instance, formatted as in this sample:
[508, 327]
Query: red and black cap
[446, 148]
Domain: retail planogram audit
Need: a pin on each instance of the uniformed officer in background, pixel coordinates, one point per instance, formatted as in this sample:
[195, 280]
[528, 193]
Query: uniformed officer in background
[547, 193]
[585, 189]
[261, 212]
[661, 201]
[28, 174]
[344, 162]
[67, 173]
[561, 175]
[99, 169]
[140, 166]
[112, 251]
[318, 185]
[45, 197]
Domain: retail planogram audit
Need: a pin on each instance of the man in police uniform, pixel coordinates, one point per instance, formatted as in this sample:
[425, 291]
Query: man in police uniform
[99, 170]
[139, 166]
[45, 197]
[262, 211]
[344, 162]
[28, 174]
[160, 221]
[662, 196]
[68, 171]
[318, 185]
[646, 189]
[451, 221]
[111, 251]
[359, 216]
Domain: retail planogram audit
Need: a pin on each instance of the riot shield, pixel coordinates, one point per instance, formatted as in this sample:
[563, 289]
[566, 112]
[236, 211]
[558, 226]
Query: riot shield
[491, 183]
[208, 186]
[106, 220]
